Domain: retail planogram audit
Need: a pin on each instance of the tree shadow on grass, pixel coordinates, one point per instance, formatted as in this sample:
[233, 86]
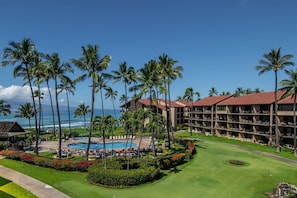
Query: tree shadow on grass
[4, 181]
[5, 195]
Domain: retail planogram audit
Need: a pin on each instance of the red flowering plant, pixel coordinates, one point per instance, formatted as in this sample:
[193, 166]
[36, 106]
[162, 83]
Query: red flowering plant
[11, 154]
[178, 158]
[84, 165]
[26, 157]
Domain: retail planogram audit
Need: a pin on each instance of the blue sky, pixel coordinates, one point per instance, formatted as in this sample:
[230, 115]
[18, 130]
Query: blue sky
[217, 42]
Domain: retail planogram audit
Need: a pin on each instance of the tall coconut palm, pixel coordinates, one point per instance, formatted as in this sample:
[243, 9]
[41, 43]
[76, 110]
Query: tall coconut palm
[23, 54]
[124, 74]
[169, 72]
[149, 76]
[123, 98]
[110, 93]
[239, 92]
[47, 74]
[4, 108]
[39, 96]
[68, 86]
[37, 73]
[58, 73]
[91, 63]
[273, 61]
[189, 96]
[82, 110]
[25, 111]
[213, 92]
[290, 88]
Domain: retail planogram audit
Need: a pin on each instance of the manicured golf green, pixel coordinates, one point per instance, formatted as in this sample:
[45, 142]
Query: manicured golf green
[209, 175]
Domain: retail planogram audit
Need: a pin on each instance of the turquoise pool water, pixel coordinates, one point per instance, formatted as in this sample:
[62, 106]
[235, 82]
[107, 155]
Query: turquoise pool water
[98, 146]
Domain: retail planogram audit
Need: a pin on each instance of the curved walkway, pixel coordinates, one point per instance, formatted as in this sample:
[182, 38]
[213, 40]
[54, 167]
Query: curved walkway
[34, 186]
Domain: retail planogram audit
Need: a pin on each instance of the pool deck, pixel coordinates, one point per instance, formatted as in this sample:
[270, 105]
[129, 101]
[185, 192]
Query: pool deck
[53, 146]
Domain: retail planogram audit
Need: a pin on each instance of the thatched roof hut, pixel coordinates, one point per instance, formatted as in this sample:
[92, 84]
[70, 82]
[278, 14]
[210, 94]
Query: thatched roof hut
[10, 129]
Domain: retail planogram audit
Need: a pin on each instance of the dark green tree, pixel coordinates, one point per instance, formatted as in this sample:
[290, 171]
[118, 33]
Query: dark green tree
[273, 61]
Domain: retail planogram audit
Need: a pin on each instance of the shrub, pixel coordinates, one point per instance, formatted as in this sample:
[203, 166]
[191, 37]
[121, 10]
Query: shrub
[178, 158]
[165, 163]
[26, 157]
[119, 178]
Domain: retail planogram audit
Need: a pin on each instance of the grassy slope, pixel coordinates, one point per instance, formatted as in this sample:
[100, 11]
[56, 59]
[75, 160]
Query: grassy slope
[208, 175]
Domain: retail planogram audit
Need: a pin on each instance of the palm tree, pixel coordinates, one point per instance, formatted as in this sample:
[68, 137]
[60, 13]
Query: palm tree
[149, 76]
[290, 87]
[37, 73]
[100, 85]
[23, 54]
[47, 74]
[82, 110]
[4, 108]
[39, 96]
[68, 86]
[258, 90]
[189, 96]
[123, 98]
[213, 92]
[239, 92]
[25, 111]
[169, 72]
[124, 74]
[275, 62]
[112, 95]
[58, 72]
[91, 63]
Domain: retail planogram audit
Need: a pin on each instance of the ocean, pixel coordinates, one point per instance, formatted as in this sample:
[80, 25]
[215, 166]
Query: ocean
[47, 122]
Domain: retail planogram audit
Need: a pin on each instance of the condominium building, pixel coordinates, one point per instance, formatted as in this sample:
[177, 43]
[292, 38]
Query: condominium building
[248, 118]
[176, 112]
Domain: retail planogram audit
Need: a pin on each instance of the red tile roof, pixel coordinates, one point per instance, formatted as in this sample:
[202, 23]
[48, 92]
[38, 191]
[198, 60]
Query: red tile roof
[172, 104]
[183, 102]
[212, 100]
[146, 102]
[253, 98]
[287, 100]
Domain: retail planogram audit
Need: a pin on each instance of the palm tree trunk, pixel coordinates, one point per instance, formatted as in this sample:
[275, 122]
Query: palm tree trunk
[69, 123]
[277, 149]
[52, 108]
[91, 121]
[170, 124]
[59, 119]
[34, 108]
[152, 130]
[39, 112]
[191, 118]
[167, 118]
[294, 109]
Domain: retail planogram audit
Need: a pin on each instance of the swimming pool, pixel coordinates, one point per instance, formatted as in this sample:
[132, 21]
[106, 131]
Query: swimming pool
[98, 146]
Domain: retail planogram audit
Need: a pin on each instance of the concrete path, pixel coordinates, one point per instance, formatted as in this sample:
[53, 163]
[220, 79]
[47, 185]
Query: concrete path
[34, 186]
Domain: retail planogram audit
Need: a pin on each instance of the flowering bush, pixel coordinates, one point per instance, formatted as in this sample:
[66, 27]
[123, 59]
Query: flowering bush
[178, 158]
[84, 165]
[58, 164]
[26, 157]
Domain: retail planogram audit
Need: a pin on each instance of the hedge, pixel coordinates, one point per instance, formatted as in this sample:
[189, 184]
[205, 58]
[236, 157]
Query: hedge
[58, 164]
[122, 177]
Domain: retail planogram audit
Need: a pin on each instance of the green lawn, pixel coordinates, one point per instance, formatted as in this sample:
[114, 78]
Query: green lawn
[208, 175]
[9, 189]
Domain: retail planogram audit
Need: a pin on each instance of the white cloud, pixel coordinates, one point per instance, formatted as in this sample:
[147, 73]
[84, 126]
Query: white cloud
[16, 93]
